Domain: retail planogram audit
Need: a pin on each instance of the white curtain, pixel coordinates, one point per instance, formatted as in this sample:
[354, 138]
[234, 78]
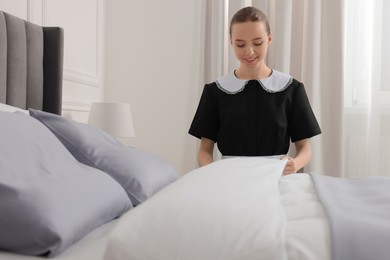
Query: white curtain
[367, 88]
[336, 48]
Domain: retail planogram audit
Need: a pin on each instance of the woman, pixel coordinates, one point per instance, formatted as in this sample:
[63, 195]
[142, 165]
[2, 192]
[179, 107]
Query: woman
[254, 110]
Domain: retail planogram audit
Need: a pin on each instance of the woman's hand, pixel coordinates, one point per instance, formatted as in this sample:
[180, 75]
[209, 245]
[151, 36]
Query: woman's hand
[303, 156]
[291, 165]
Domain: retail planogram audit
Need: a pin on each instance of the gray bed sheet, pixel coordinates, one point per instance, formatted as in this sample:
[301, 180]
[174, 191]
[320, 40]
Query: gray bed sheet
[91, 247]
[359, 215]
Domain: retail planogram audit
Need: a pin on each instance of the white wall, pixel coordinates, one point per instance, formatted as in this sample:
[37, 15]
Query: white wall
[154, 51]
[148, 53]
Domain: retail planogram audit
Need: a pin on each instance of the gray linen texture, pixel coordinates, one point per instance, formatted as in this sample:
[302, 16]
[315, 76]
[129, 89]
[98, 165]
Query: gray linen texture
[49, 200]
[141, 173]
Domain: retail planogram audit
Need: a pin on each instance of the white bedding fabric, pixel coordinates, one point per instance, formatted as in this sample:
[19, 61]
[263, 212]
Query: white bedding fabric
[307, 229]
[219, 211]
[231, 209]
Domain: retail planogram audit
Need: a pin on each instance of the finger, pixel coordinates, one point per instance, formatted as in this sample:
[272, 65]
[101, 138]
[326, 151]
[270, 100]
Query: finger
[287, 169]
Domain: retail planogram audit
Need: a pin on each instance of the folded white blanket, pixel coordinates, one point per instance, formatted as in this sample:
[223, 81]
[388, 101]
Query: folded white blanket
[227, 210]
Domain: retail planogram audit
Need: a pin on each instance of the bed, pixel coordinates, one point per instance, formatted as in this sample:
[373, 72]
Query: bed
[70, 191]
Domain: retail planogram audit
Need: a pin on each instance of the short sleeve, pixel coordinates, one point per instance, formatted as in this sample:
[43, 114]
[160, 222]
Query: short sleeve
[205, 122]
[302, 121]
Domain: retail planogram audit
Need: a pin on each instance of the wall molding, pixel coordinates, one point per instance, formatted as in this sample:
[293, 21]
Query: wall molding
[76, 104]
[94, 76]
[35, 11]
[83, 78]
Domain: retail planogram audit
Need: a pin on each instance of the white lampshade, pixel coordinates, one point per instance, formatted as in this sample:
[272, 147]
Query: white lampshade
[113, 118]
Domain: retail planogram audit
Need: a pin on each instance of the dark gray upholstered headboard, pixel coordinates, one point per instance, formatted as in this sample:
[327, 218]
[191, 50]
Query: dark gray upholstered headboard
[31, 64]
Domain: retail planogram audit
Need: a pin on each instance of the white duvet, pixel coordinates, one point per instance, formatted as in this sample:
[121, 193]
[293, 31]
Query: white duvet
[307, 229]
[238, 208]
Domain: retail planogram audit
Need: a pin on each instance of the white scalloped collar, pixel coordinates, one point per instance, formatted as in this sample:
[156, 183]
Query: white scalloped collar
[276, 82]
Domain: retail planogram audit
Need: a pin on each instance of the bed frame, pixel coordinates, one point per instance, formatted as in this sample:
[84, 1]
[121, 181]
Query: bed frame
[31, 64]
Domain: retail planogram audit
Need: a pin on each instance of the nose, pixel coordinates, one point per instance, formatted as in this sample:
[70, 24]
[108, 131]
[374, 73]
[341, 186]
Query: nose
[249, 50]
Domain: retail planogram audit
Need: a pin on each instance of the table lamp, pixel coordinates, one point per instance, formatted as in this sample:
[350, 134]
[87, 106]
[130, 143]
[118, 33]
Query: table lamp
[113, 118]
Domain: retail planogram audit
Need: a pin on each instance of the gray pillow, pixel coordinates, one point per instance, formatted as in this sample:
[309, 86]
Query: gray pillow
[139, 172]
[48, 200]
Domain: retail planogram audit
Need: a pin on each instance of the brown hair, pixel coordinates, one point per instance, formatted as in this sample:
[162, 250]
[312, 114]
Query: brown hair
[249, 14]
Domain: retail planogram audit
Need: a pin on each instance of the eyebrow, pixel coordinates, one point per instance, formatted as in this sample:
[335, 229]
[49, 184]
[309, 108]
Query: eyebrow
[255, 39]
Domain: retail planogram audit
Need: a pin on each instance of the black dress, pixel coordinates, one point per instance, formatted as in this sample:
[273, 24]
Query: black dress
[254, 117]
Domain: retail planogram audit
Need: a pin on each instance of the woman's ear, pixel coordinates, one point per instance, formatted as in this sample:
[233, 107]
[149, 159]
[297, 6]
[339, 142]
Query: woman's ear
[269, 38]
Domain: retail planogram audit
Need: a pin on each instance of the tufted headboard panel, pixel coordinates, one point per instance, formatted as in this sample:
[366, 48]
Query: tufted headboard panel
[31, 64]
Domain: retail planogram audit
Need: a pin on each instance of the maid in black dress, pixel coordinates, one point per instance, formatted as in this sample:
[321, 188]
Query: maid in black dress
[254, 110]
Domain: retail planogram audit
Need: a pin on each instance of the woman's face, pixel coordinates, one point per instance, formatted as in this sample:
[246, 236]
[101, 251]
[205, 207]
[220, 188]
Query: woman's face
[250, 42]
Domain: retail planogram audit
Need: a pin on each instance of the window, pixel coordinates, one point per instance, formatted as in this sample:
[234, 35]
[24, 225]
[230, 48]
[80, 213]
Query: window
[367, 53]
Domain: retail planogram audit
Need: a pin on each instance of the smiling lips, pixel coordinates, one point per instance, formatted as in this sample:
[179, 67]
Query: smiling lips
[250, 60]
